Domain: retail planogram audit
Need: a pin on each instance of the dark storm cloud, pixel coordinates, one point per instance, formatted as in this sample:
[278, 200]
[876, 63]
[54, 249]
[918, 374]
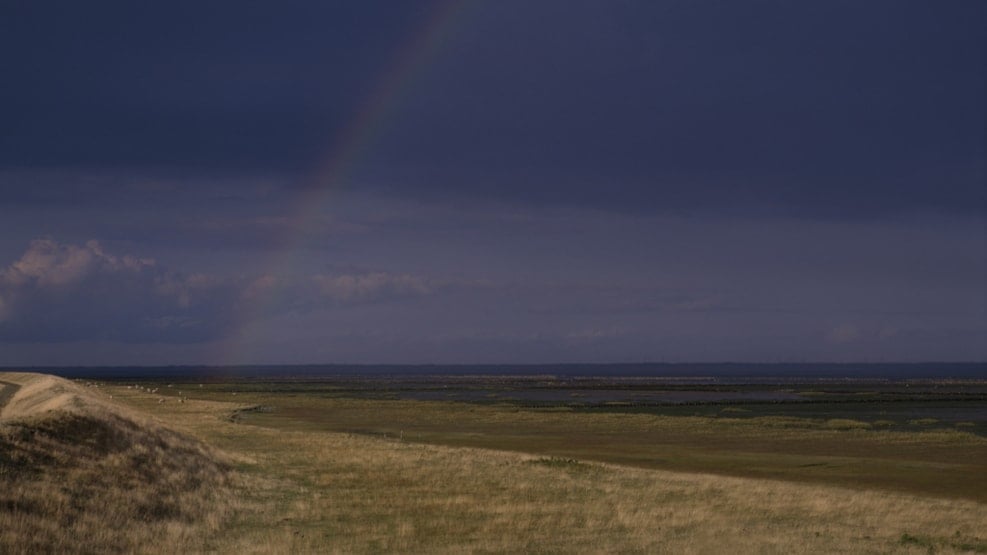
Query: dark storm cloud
[826, 108]
[227, 85]
[829, 108]
[556, 180]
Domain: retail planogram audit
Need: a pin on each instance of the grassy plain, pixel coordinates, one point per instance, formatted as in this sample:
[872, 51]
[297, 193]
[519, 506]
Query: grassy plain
[322, 473]
[413, 476]
[943, 462]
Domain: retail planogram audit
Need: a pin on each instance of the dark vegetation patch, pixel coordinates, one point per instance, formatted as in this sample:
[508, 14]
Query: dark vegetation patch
[558, 462]
[77, 471]
[959, 542]
[238, 414]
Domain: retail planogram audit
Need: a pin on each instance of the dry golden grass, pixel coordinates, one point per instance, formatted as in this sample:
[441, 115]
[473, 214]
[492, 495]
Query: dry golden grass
[934, 462]
[316, 492]
[357, 494]
[94, 477]
[79, 473]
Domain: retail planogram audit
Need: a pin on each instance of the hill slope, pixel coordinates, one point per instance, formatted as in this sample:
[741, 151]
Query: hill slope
[79, 472]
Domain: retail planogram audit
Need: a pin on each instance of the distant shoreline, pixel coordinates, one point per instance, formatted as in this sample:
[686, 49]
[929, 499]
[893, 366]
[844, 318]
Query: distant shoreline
[883, 371]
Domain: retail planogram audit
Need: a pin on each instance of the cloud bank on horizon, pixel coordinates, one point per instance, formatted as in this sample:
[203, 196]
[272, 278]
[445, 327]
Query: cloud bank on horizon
[534, 182]
[58, 293]
[536, 291]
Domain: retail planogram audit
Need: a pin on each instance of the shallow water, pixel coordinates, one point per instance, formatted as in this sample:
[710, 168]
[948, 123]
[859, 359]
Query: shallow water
[596, 396]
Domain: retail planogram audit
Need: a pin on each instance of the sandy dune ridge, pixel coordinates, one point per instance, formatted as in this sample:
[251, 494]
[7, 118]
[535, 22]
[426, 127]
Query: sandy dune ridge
[80, 472]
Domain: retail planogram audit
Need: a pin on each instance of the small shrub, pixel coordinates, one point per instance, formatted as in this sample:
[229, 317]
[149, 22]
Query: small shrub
[846, 424]
[557, 462]
[908, 539]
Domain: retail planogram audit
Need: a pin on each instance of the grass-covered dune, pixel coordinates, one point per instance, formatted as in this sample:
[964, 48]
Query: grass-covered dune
[81, 473]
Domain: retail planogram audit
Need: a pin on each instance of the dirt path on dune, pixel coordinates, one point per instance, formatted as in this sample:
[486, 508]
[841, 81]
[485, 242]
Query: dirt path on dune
[9, 390]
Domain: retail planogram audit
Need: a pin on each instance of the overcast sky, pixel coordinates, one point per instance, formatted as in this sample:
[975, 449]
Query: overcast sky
[234, 182]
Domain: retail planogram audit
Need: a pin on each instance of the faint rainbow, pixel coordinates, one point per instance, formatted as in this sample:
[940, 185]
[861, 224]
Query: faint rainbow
[350, 144]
